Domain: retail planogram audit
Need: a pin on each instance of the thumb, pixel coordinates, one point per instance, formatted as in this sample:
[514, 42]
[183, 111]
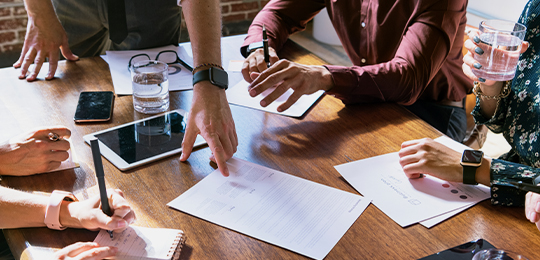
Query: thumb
[524, 46]
[254, 75]
[110, 223]
[66, 51]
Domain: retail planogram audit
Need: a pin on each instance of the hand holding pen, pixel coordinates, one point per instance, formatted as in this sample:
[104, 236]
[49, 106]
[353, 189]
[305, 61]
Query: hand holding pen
[260, 59]
[119, 215]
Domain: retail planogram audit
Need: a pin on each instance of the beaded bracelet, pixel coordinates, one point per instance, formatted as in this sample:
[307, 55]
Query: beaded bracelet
[206, 65]
[505, 91]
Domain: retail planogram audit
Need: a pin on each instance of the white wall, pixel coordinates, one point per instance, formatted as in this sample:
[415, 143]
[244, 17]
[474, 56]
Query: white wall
[479, 10]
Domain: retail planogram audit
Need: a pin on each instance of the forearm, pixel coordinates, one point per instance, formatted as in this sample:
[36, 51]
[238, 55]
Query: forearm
[282, 18]
[203, 19]
[483, 175]
[488, 106]
[21, 209]
[40, 9]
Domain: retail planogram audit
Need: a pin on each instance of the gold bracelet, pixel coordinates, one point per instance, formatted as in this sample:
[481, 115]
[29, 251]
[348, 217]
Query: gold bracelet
[505, 91]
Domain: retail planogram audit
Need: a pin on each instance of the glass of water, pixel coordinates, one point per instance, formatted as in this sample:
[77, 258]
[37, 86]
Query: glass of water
[150, 82]
[501, 44]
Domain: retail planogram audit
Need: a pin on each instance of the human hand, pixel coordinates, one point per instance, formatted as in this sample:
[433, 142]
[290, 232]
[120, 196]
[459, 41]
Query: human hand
[285, 75]
[88, 213]
[33, 152]
[426, 156]
[532, 208]
[254, 64]
[475, 46]
[210, 116]
[44, 36]
[85, 251]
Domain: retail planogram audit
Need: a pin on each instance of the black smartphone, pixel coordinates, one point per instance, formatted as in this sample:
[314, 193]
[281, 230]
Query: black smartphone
[462, 252]
[94, 106]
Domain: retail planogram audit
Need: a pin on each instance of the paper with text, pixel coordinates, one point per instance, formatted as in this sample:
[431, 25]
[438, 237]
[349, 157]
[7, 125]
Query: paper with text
[275, 207]
[408, 201]
[136, 243]
[121, 77]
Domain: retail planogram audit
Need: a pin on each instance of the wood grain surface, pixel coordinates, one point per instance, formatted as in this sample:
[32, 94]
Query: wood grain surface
[308, 147]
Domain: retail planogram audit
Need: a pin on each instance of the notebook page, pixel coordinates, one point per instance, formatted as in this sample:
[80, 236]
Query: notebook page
[136, 243]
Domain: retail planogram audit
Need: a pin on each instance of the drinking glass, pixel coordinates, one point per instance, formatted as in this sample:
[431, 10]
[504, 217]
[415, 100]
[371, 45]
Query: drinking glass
[498, 254]
[501, 42]
[150, 82]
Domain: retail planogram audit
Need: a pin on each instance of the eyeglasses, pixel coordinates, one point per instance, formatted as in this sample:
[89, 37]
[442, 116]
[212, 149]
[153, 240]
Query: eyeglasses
[169, 56]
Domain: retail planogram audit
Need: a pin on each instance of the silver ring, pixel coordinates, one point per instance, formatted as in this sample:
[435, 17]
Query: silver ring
[54, 137]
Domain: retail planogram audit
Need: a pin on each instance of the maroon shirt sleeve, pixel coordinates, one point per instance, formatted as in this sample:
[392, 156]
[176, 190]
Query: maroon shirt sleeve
[407, 50]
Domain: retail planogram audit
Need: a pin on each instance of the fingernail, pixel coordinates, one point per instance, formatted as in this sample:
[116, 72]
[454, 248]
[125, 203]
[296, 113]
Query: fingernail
[263, 103]
[477, 65]
[481, 79]
[252, 93]
[121, 224]
[476, 39]
[479, 50]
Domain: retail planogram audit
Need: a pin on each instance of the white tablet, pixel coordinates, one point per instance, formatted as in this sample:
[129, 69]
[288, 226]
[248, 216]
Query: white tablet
[143, 141]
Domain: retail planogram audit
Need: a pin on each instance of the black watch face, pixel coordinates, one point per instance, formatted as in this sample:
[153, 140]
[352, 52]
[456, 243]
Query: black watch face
[472, 156]
[219, 77]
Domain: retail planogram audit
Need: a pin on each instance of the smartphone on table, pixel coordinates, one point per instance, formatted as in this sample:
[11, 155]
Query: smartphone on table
[94, 106]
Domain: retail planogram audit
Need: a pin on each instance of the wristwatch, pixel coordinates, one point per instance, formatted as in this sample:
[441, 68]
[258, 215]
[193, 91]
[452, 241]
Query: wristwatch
[247, 50]
[52, 213]
[471, 160]
[216, 76]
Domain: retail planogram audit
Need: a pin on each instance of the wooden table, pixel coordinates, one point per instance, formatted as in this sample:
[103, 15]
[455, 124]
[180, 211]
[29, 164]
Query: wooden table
[308, 148]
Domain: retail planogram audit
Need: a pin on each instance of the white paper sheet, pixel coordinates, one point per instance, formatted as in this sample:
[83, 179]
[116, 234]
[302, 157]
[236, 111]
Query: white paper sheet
[278, 208]
[239, 95]
[121, 77]
[408, 201]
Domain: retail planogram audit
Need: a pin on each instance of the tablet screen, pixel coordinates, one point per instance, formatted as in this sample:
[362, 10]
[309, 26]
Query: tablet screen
[145, 139]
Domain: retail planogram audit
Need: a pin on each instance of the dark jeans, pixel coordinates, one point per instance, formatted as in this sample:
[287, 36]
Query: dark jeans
[450, 120]
[5, 253]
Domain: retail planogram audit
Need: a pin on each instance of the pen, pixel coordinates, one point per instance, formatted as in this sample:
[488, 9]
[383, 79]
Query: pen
[265, 47]
[100, 174]
[525, 186]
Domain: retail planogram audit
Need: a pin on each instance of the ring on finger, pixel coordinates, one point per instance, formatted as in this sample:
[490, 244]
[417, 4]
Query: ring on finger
[53, 137]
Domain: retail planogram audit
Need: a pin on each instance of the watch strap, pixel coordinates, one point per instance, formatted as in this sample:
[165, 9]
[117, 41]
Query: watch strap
[469, 175]
[248, 49]
[203, 75]
[52, 212]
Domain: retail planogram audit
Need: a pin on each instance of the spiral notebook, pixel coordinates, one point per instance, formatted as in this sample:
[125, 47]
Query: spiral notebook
[144, 243]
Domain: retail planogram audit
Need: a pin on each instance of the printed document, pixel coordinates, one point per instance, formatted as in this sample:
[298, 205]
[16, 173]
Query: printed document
[408, 201]
[275, 207]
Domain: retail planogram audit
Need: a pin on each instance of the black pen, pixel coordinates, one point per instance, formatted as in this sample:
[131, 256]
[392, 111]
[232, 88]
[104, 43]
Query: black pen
[526, 186]
[100, 174]
[265, 47]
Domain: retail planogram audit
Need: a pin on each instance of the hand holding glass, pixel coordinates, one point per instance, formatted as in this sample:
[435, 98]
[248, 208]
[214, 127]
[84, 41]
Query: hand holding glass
[500, 44]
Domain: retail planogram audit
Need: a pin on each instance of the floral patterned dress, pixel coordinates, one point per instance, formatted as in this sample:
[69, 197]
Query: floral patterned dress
[518, 118]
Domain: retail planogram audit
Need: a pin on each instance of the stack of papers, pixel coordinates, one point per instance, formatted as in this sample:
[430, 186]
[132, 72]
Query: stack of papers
[275, 207]
[427, 200]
